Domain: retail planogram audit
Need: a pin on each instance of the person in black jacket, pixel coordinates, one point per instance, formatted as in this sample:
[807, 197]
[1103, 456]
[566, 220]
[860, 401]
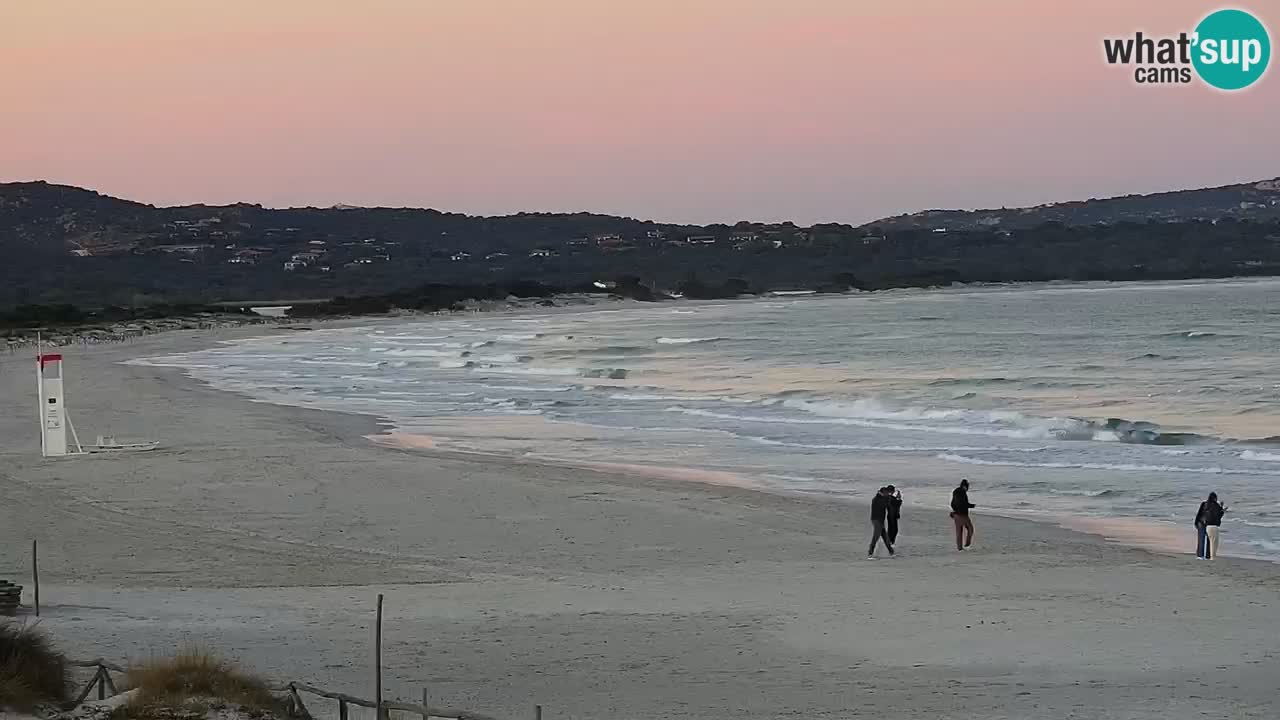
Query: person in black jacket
[1208, 523]
[895, 513]
[879, 512]
[960, 507]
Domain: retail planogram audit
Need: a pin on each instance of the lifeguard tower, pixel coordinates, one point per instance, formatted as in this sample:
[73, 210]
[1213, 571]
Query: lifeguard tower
[55, 421]
[53, 412]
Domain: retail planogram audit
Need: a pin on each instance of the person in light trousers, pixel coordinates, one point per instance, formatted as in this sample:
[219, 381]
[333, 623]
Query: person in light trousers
[1208, 524]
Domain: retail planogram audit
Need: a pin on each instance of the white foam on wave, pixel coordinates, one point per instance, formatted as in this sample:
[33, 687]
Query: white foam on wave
[335, 363]
[1255, 523]
[173, 362]
[548, 371]
[1119, 467]
[1025, 433]
[500, 359]
[892, 448]
[529, 388]
[1002, 423]
[686, 340]
[416, 352]
[1269, 546]
[1260, 456]
[679, 398]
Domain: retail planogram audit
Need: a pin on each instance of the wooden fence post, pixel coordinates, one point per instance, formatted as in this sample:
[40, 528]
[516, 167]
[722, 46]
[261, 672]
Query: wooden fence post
[111, 685]
[377, 660]
[299, 707]
[426, 713]
[87, 689]
[537, 712]
[342, 709]
[35, 573]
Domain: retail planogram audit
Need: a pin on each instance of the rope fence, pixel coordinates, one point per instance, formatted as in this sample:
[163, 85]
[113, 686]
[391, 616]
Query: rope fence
[106, 687]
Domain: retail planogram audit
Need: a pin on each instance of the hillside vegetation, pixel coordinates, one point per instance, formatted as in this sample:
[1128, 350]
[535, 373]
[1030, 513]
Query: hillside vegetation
[68, 246]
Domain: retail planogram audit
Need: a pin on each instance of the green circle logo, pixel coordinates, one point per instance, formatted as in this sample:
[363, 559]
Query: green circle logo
[1232, 49]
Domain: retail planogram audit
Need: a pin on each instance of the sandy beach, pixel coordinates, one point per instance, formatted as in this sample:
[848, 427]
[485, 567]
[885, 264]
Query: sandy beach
[265, 532]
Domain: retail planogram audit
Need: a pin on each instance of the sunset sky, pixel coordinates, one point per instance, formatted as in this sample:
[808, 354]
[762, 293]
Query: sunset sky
[680, 110]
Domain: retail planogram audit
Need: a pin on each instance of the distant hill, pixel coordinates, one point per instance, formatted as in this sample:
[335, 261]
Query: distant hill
[1253, 200]
[61, 244]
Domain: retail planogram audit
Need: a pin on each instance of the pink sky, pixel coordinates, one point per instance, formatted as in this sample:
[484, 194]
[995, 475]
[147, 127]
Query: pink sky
[683, 110]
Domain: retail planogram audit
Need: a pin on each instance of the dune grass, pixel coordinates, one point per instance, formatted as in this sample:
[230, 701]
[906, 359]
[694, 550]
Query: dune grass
[191, 682]
[32, 672]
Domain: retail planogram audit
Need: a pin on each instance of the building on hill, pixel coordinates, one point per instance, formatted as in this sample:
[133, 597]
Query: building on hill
[182, 249]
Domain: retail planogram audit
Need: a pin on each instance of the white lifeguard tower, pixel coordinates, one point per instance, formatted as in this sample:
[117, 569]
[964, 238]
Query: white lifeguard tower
[53, 412]
[55, 421]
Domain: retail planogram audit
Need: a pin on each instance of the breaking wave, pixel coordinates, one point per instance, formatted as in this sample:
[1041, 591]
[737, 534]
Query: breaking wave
[1042, 432]
[1192, 335]
[1119, 467]
[890, 448]
[869, 413]
[529, 388]
[653, 397]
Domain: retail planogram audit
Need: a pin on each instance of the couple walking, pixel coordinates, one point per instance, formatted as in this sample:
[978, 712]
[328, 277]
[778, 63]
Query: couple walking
[886, 510]
[1208, 523]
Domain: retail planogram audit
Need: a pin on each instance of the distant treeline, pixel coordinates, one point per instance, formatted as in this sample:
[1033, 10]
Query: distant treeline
[431, 297]
[64, 315]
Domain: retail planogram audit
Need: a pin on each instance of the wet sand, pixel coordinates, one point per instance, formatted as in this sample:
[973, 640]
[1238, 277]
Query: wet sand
[266, 532]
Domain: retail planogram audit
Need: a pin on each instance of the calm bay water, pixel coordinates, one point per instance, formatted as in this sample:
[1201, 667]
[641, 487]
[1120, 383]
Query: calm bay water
[1100, 400]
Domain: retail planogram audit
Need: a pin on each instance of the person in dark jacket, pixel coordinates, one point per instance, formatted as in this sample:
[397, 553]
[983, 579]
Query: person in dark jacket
[895, 513]
[960, 507]
[879, 514]
[1208, 523]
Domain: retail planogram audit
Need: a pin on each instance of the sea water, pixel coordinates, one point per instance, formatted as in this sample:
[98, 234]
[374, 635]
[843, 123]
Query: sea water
[1126, 401]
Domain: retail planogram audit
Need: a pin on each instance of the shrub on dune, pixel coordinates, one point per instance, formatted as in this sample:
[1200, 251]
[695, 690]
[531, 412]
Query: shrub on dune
[32, 672]
[192, 682]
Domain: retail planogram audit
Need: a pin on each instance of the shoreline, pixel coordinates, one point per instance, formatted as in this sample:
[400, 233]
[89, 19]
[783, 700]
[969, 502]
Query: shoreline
[1129, 532]
[1139, 534]
[264, 530]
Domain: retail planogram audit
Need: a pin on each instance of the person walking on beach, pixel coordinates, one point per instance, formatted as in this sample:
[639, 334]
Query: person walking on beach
[895, 513]
[879, 513]
[960, 507]
[1208, 523]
